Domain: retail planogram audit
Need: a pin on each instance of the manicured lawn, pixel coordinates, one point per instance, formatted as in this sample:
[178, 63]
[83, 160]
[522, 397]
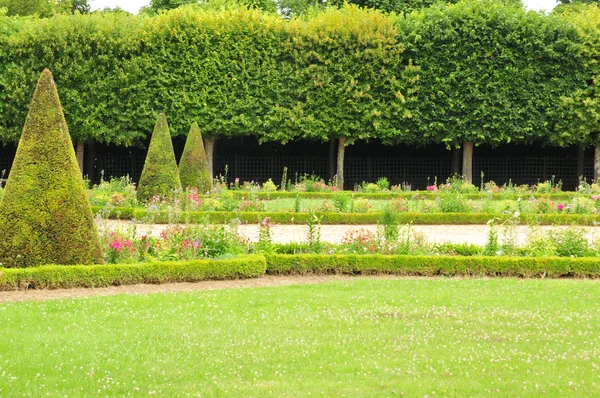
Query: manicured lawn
[369, 337]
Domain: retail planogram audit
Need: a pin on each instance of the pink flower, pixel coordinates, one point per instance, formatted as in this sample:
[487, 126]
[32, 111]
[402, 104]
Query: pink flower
[333, 189]
[596, 197]
[432, 188]
[560, 207]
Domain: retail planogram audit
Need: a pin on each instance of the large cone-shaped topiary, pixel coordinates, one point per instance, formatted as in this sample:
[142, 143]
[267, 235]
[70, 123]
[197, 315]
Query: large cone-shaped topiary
[160, 175]
[193, 167]
[45, 215]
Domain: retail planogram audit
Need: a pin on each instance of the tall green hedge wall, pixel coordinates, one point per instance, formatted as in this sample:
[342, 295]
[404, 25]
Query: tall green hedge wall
[484, 71]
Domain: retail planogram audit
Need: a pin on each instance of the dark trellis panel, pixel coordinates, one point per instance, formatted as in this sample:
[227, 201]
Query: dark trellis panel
[364, 162]
[261, 168]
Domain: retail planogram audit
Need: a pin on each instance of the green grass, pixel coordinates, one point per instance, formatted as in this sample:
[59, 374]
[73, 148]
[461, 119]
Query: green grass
[360, 338]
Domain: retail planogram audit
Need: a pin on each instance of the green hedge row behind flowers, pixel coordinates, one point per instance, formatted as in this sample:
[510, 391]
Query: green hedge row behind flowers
[224, 217]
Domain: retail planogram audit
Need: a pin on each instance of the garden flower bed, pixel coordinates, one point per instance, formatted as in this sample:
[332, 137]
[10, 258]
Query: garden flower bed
[450, 203]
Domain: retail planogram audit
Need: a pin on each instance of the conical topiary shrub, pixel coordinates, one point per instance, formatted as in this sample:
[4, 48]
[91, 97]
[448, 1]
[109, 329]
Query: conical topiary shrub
[160, 175]
[193, 167]
[45, 215]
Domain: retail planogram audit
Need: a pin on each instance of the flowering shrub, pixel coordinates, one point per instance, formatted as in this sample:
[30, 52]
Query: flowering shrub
[265, 236]
[269, 186]
[548, 186]
[174, 243]
[362, 206]
[492, 187]
[543, 205]
[116, 192]
[398, 205]
[251, 205]
[358, 241]
[118, 248]
[581, 205]
[325, 206]
[370, 188]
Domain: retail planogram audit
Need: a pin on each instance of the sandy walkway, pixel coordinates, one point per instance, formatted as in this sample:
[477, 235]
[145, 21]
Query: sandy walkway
[476, 234]
[263, 281]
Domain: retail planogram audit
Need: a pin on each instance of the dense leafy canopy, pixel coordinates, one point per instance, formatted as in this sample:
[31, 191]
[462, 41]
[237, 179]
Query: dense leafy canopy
[490, 72]
[44, 8]
[480, 70]
[582, 115]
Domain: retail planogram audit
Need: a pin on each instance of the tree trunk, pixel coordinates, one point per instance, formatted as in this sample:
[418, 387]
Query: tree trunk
[580, 160]
[597, 164]
[79, 153]
[331, 159]
[209, 146]
[467, 166]
[455, 160]
[340, 163]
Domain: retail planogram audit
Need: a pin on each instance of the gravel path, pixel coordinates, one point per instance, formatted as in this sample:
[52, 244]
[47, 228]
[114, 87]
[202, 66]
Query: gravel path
[263, 281]
[475, 234]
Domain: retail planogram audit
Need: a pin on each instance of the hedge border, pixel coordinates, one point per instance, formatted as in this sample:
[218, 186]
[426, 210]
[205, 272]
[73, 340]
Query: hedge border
[526, 267]
[73, 276]
[223, 217]
[252, 266]
[241, 194]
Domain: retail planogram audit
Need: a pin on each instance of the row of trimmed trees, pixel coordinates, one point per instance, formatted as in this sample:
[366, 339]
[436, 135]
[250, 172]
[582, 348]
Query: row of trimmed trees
[476, 72]
[161, 176]
[45, 215]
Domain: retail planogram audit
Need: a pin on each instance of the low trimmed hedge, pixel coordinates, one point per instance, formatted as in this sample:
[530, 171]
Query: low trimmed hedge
[223, 217]
[527, 267]
[72, 276]
[396, 195]
[252, 266]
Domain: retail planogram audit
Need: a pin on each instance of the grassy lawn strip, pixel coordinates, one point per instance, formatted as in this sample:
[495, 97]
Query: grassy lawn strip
[58, 276]
[363, 338]
[249, 266]
[142, 215]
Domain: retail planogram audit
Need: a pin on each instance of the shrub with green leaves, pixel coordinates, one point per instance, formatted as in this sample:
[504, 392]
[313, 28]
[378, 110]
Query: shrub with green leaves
[45, 216]
[160, 175]
[193, 167]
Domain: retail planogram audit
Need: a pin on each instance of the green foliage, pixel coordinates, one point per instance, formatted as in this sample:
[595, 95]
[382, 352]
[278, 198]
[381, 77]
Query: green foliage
[43, 8]
[288, 217]
[397, 6]
[45, 216]
[65, 277]
[344, 75]
[88, 54]
[483, 71]
[165, 5]
[491, 73]
[582, 115]
[193, 167]
[219, 68]
[160, 175]
[553, 267]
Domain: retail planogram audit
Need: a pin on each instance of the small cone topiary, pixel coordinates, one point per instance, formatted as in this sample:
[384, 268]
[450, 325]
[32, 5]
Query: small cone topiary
[45, 215]
[160, 175]
[193, 167]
